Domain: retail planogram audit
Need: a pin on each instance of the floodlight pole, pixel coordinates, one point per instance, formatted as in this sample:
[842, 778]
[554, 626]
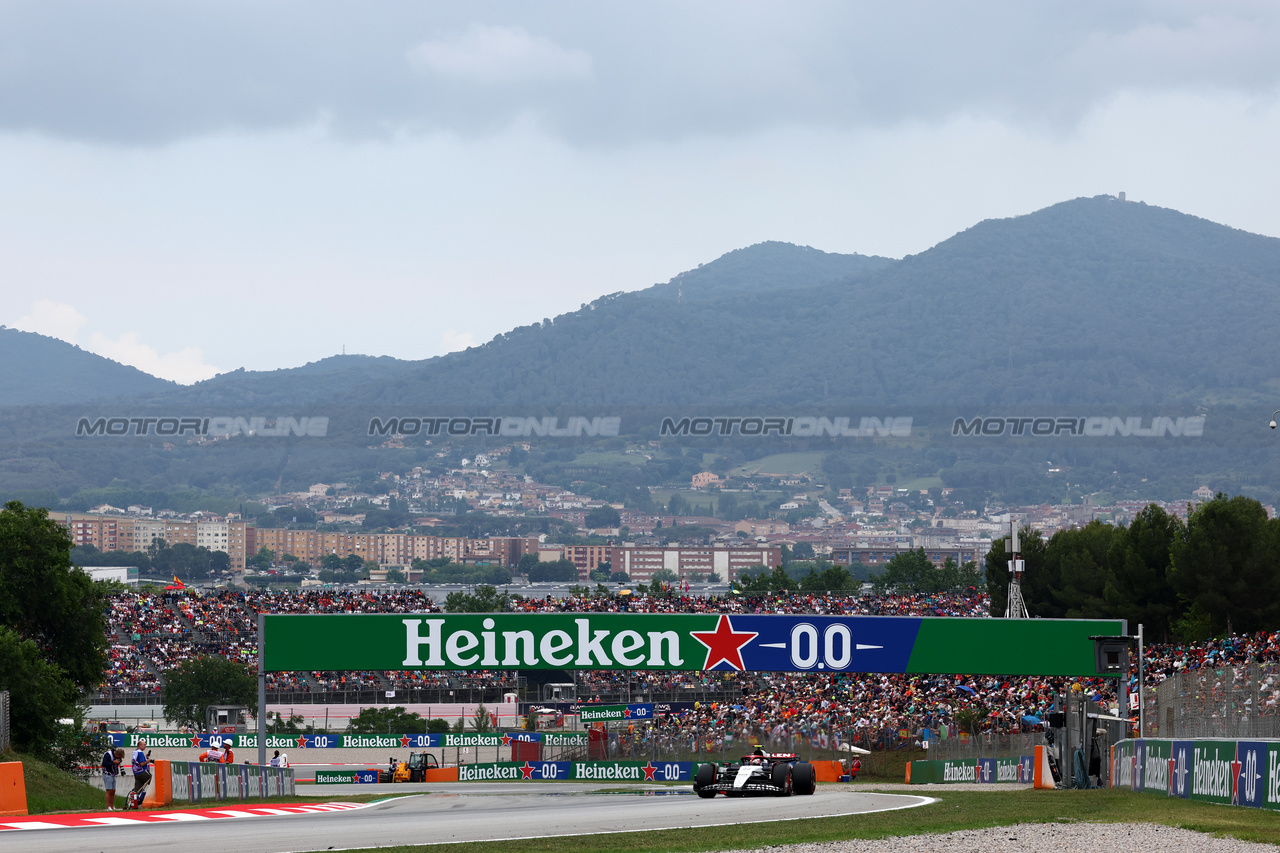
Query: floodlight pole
[1015, 607]
[262, 691]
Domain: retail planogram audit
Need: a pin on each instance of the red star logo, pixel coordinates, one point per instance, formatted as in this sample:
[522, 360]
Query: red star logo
[404, 741]
[648, 771]
[527, 770]
[302, 741]
[627, 712]
[506, 740]
[1235, 781]
[355, 778]
[195, 741]
[724, 644]
[1173, 766]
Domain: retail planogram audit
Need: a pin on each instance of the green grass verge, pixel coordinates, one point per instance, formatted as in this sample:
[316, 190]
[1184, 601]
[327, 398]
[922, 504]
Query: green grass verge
[956, 810]
[52, 790]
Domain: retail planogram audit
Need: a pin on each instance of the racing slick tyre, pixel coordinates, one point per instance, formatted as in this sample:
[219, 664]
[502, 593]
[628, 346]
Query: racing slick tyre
[780, 778]
[802, 778]
[706, 776]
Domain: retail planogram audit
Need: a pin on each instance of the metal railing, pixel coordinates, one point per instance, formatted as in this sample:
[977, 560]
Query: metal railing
[985, 745]
[1234, 701]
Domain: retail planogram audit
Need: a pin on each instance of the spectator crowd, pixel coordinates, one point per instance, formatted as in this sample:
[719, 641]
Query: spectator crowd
[153, 632]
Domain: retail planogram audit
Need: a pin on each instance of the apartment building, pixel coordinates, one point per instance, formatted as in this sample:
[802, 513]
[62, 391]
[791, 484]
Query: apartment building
[113, 533]
[587, 558]
[641, 564]
[390, 549]
[878, 555]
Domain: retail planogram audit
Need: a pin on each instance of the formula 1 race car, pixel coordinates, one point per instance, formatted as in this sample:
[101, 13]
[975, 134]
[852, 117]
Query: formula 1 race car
[776, 774]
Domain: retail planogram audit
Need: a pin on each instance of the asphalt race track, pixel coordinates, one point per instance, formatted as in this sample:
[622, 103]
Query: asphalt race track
[457, 812]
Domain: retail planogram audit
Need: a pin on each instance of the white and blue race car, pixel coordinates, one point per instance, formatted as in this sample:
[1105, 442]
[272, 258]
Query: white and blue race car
[778, 774]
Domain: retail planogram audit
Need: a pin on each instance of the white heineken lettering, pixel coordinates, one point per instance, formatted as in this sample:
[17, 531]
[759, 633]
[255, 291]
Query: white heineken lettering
[490, 644]
[522, 640]
[482, 773]
[672, 639]
[372, 741]
[1007, 772]
[1211, 777]
[590, 644]
[554, 642]
[415, 641]
[583, 770]
[594, 714]
[1273, 775]
[624, 644]
[430, 643]
[458, 643]
[1155, 771]
[959, 772]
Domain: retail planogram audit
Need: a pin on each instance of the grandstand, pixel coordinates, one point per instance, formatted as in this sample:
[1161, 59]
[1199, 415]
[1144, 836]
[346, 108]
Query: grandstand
[151, 632]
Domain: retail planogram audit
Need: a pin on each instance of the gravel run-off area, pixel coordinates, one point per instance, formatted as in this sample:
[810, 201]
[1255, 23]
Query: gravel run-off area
[1025, 837]
[1066, 836]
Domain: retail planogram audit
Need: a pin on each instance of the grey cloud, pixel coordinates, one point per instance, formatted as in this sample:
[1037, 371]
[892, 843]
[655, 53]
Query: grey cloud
[155, 72]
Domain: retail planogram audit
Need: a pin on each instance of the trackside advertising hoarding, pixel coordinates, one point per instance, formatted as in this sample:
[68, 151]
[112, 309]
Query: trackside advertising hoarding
[346, 777]
[193, 781]
[739, 642]
[1229, 772]
[642, 712]
[986, 770]
[326, 741]
[596, 771]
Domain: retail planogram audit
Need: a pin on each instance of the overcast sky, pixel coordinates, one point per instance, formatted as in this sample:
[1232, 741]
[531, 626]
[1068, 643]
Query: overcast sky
[193, 187]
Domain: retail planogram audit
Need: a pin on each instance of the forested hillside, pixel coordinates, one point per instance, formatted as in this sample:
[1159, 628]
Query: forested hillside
[1089, 301]
[1091, 307]
[40, 369]
[765, 267]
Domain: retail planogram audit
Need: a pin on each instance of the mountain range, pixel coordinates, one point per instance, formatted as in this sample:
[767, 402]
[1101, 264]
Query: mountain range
[1093, 302]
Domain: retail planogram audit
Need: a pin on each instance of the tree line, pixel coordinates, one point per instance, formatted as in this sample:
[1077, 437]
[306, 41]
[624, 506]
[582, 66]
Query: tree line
[53, 638]
[1217, 573]
[183, 560]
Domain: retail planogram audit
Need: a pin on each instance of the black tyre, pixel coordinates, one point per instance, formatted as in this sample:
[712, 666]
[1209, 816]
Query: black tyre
[705, 777]
[803, 779]
[780, 777]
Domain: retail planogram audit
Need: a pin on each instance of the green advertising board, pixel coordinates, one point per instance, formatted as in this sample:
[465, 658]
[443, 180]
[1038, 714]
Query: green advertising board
[1223, 771]
[724, 642]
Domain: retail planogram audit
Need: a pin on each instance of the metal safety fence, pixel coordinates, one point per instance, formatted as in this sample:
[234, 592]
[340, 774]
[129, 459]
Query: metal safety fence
[1241, 701]
[715, 743]
[985, 745]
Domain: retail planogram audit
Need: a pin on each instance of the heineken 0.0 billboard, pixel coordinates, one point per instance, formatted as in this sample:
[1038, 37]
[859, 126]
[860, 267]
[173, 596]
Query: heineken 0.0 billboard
[638, 712]
[727, 642]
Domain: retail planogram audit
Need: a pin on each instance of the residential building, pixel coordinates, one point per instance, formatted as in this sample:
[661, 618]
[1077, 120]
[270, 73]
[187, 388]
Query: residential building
[642, 563]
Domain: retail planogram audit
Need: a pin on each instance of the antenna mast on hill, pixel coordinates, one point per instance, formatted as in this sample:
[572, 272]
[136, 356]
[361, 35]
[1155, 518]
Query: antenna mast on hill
[1016, 608]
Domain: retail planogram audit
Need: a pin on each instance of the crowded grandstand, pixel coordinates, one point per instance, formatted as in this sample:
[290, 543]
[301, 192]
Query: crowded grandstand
[151, 632]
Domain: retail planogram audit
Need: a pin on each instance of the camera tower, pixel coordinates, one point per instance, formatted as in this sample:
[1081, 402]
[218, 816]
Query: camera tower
[1016, 608]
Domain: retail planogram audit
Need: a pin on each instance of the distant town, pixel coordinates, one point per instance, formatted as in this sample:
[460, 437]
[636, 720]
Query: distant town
[864, 527]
